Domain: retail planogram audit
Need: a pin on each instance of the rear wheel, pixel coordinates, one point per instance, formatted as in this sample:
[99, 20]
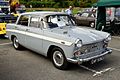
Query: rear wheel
[16, 44]
[59, 59]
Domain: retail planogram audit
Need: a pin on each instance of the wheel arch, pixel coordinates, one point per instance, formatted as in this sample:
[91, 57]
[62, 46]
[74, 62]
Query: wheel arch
[51, 47]
[12, 37]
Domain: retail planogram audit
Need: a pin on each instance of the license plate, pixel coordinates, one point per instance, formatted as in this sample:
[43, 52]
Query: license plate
[97, 60]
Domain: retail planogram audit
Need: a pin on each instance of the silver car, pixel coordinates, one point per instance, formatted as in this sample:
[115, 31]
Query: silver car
[54, 34]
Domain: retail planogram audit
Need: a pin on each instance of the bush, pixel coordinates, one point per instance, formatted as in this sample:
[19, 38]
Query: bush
[52, 4]
[38, 4]
[56, 5]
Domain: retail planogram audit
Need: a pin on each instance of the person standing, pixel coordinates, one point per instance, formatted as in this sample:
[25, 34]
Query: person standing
[69, 10]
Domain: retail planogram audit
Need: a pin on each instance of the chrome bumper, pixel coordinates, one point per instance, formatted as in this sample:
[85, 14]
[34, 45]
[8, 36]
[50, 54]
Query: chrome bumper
[78, 60]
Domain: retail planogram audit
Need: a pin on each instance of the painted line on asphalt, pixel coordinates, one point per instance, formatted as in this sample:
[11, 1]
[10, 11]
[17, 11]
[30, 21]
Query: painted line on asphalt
[115, 49]
[97, 73]
[5, 44]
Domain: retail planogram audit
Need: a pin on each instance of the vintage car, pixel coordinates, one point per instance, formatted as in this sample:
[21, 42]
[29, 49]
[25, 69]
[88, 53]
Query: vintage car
[2, 29]
[54, 34]
[85, 18]
[88, 19]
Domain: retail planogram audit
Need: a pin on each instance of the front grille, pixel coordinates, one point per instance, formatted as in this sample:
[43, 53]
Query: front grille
[92, 47]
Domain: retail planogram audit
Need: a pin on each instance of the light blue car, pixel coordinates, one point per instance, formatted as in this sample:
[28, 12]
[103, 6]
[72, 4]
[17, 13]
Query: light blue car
[55, 35]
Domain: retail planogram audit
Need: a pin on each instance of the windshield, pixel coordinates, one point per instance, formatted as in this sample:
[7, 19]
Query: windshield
[4, 3]
[59, 21]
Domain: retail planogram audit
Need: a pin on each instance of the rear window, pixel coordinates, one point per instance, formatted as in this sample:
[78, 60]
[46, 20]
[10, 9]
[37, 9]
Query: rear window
[85, 15]
[4, 3]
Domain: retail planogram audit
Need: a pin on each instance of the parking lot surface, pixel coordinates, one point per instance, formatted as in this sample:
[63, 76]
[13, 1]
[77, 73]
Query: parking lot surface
[28, 65]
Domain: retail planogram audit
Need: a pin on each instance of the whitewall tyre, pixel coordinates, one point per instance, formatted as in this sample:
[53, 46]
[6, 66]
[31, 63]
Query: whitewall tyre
[59, 59]
[16, 44]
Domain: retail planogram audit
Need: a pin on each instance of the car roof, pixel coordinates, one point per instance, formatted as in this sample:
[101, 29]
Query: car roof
[43, 13]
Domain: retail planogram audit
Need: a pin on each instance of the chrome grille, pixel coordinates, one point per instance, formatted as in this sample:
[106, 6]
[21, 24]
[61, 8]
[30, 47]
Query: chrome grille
[92, 47]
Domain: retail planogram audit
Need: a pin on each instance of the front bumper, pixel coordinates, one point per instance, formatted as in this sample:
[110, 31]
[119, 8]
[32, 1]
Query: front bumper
[81, 60]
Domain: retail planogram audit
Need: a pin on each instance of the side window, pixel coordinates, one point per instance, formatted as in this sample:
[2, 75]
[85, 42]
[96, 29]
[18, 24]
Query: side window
[23, 20]
[34, 22]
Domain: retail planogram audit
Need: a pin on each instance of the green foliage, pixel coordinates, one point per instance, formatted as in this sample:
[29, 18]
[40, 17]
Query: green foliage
[57, 3]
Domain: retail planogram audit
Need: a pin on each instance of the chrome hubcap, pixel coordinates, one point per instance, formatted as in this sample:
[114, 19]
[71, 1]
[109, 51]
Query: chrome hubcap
[16, 44]
[58, 58]
[92, 25]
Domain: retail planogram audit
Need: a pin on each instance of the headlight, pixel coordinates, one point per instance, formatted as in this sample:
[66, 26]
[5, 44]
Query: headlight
[78, 43]
[107, 39]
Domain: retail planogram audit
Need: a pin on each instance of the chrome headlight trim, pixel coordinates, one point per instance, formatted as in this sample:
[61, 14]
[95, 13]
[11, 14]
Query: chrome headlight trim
[107, 39]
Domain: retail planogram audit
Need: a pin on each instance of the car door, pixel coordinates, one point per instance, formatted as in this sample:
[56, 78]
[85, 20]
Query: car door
[34, 35]
[83, 18]
[20, 28]
[91, 18]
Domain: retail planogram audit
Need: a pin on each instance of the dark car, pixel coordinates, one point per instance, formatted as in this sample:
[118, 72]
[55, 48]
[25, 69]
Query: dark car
[8, 18]
[117, 16]
[4, 19]
[85, 18]
[88, 19]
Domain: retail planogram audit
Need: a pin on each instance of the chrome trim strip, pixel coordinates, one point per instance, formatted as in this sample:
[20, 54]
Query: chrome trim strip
[55, 40]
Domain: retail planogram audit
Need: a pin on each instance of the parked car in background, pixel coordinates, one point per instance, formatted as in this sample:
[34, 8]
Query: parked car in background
[54, 34]
[88, 19]
[117, 16]
[5, 16]
[4, 19]
[85, 18]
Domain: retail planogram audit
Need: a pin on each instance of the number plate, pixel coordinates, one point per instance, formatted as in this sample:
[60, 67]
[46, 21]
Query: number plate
[97, 60]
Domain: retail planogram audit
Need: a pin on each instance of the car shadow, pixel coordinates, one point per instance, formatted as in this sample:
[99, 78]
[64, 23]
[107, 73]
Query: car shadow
[73, 67]
[96, 66]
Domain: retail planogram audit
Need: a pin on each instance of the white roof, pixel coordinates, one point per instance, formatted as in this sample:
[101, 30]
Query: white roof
[43, 13]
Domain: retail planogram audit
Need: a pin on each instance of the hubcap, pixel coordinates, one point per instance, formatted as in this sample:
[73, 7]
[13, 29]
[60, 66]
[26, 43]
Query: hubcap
[16, 44]
[58, 58]
[92, 25]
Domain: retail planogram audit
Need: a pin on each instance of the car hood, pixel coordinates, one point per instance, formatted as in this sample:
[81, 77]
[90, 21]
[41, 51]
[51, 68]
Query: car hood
[86, 35]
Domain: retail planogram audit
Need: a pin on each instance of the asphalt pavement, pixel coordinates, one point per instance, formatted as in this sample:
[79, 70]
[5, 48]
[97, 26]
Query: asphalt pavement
[28, 65]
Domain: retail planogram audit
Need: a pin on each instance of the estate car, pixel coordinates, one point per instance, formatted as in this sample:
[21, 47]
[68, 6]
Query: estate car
[55, 35]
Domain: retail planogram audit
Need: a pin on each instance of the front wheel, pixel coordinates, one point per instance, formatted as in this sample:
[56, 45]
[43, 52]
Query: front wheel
[92, 25]
[59, 59]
